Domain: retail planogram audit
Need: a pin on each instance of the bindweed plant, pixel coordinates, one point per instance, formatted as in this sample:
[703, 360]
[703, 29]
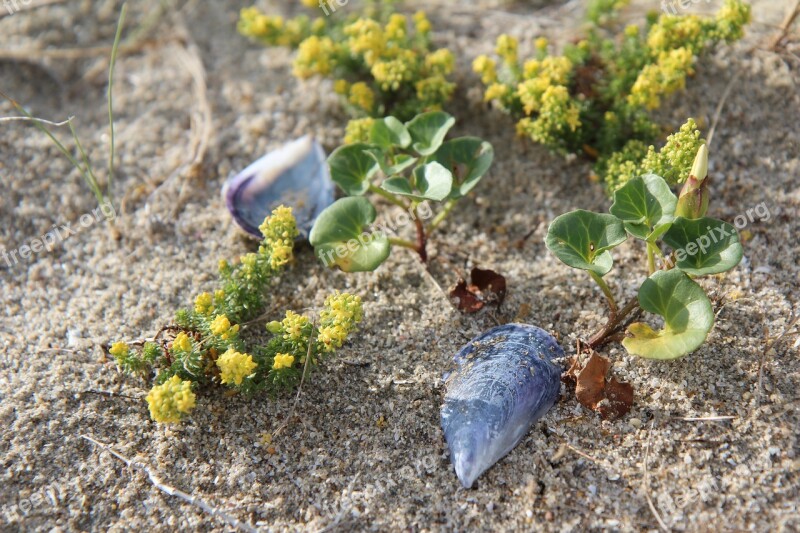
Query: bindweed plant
[408, 165]
[646, 209]
[208, 345]
[595, 97]
[381, 62]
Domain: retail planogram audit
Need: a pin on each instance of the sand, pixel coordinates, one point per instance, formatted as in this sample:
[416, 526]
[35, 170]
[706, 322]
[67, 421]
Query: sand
[365, 450]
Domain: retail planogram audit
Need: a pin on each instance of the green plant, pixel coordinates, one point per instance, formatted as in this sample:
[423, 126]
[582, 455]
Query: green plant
[414, 165]
[381, 63]
[646, 209]
[595, 97]
[208, 347]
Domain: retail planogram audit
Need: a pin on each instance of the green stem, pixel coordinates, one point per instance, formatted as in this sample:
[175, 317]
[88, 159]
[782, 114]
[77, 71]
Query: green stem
[441, 215]
[120, 23]
[402, 242]
[612, 304]
[651, 259]
[387, 195]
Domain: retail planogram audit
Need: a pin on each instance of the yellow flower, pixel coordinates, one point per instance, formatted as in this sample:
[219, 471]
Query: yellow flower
[235, 366]
[203, 304]
[441, 61]
[631, 30]
[396, 27]
[341, 314]
[293, 326]
[310, 3]
[507, 47]
[279, 230]
[362, 96]
[171, 400]
[119, 350]
[486, 67]
[434, 91]
[283, 360]
[182, 343]
[422, 23]
[366, 37]
[357, 130]
[496, 91]
[221, 327]
[662, 78]
[314, 56]
[541, 43]
[341, 87]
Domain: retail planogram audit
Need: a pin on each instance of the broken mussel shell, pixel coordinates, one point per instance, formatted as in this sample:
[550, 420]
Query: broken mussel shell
[295, 175]
[505, 381]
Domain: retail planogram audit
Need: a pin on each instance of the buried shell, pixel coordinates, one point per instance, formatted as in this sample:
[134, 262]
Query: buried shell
[505, 380]
[294, 175]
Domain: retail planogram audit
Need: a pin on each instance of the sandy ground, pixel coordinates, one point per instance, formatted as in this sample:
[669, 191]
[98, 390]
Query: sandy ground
[336, 467]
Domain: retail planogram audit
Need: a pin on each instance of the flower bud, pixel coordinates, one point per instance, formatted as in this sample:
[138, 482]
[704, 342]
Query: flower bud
[693, 200]
[274, 327]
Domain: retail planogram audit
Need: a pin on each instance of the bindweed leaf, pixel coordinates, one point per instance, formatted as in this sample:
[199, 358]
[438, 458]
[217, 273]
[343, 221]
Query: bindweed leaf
[391, 165]
[468, 158]
[428, 131]
[389, 132]
[704, 246]
[645, 205]
[341, 236]
[687, 314]
[581, 239]
[352, 168]
[431, 182]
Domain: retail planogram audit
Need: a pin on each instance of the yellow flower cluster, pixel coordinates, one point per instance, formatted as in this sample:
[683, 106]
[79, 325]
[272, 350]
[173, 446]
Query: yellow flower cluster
[171, 400]
[235, 366]
[279, 230]
[361, 96]
[119, 350]
[357, 130]
[341, 315]
[273, 30]
[222, 328]
[486, 67]
[315, 55]
[283, 360]
[662, 78]
[293, 325]
[204, 304]
[182, 343]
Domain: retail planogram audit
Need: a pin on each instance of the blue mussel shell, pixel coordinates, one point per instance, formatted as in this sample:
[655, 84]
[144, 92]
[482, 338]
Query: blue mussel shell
[505, 380]
[295, 175]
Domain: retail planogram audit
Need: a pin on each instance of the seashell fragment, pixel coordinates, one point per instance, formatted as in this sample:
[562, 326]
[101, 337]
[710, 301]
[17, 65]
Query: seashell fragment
[505, 380]
[294, 175]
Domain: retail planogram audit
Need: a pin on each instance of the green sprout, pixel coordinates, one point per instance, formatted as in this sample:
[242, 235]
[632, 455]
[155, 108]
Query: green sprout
[646, 209]
[407, 165]
[211, 343]
[596, 96]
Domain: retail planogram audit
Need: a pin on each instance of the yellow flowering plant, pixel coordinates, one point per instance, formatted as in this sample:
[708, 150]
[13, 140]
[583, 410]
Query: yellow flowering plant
[206, 345]
[381, 62]
[595, 97]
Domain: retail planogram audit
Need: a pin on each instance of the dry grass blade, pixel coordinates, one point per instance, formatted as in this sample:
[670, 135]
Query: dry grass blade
[646, 485]
[157, 483]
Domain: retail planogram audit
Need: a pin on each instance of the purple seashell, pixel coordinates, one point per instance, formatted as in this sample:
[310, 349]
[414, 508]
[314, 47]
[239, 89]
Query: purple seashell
[505, 380]
[295, 175]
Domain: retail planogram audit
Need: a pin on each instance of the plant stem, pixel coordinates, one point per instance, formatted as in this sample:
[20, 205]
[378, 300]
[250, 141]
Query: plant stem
[388, 196]
[612, 304]
[441, 215]
[614, 322]
[651, 259]
[422, 239]
[404, 243]
[112, 63]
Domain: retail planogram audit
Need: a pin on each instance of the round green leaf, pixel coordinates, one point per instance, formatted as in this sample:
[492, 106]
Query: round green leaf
[391, 165]
[340, 236]
[468, 158]
[352, 167]
[687, 314]
[704, 246]
[581, 239]
[428, 131]
[389, 132]
[646, 206]
[432, 182]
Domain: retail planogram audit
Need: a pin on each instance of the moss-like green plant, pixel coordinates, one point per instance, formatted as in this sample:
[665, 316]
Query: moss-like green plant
[381, 62]
[646, 209]
[595, 97]
[408, 165]
[208, 345]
